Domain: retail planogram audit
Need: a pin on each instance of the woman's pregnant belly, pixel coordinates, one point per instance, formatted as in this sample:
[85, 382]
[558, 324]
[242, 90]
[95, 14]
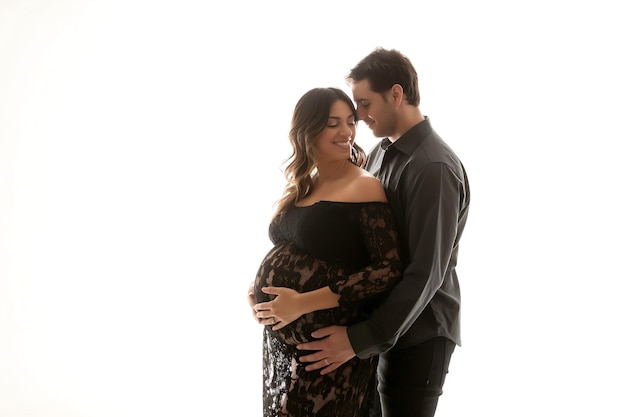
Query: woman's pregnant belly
[286, 265]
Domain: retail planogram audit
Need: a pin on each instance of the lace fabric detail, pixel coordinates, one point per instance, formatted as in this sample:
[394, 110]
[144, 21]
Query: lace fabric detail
[290, 390]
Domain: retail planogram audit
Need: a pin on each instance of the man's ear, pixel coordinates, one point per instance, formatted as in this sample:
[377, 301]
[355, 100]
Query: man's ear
[397, 94]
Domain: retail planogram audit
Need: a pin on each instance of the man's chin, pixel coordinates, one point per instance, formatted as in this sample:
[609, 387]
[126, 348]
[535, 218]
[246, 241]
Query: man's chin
[374, 129]
[377, 133]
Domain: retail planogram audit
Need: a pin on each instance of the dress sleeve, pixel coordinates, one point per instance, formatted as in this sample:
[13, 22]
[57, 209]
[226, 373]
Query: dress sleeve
[379, 231]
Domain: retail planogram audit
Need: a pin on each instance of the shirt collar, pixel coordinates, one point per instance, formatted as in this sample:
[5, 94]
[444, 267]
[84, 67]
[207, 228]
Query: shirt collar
[411, 138]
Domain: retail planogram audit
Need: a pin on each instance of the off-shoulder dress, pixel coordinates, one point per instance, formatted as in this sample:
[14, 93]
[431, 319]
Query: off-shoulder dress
[351, 247]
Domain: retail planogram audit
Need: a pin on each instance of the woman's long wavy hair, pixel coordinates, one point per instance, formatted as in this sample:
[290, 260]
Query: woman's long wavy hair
[310, 117]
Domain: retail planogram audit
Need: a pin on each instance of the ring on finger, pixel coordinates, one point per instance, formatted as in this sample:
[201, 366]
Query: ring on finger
[326, 362]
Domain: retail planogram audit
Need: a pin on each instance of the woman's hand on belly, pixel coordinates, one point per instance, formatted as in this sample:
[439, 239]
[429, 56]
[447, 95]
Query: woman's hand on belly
[252, 302]
[284, 309]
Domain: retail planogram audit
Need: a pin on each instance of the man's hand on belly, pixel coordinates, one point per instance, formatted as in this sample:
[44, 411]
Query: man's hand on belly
[333, 349]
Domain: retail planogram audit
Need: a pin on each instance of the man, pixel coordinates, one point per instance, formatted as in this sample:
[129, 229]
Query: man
[417, 327]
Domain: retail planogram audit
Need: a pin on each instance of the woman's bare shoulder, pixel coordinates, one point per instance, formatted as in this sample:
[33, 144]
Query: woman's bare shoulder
[365, 187]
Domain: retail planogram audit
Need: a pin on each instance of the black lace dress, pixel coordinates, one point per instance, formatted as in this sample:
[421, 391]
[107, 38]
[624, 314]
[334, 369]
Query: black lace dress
[350, 247]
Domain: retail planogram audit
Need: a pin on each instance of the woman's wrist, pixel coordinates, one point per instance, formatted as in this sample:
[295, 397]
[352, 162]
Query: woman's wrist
[320, 299]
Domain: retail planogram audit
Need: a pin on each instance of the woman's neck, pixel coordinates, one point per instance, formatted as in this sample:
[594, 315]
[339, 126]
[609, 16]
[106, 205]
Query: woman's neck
[332, 170]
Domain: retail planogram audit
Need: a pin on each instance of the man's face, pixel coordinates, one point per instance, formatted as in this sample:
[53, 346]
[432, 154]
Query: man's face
[375, 109]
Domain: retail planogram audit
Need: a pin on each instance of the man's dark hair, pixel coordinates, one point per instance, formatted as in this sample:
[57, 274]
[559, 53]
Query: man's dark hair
[385, 67]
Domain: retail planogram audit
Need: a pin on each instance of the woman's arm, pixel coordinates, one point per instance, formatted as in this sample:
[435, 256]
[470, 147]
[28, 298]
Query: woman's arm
[383, 271]
[379, 231]
[289, 305]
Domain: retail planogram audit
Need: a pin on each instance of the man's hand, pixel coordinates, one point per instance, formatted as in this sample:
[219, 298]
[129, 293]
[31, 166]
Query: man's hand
[333, 349]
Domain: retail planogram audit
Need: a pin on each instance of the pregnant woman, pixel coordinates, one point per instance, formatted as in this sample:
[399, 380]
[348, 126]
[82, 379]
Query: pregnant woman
[335, 242]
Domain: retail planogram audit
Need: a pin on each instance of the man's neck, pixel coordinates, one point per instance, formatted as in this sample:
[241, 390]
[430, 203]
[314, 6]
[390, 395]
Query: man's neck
[409, 117]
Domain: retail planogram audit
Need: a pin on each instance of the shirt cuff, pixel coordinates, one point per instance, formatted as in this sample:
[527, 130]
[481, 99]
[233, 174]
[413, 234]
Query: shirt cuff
[362, 341]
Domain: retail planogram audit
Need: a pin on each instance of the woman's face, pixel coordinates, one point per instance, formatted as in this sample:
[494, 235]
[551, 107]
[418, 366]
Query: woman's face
[335, 141]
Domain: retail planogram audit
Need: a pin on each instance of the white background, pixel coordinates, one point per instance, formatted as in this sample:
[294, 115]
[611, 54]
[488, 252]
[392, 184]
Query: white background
[140, 152]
